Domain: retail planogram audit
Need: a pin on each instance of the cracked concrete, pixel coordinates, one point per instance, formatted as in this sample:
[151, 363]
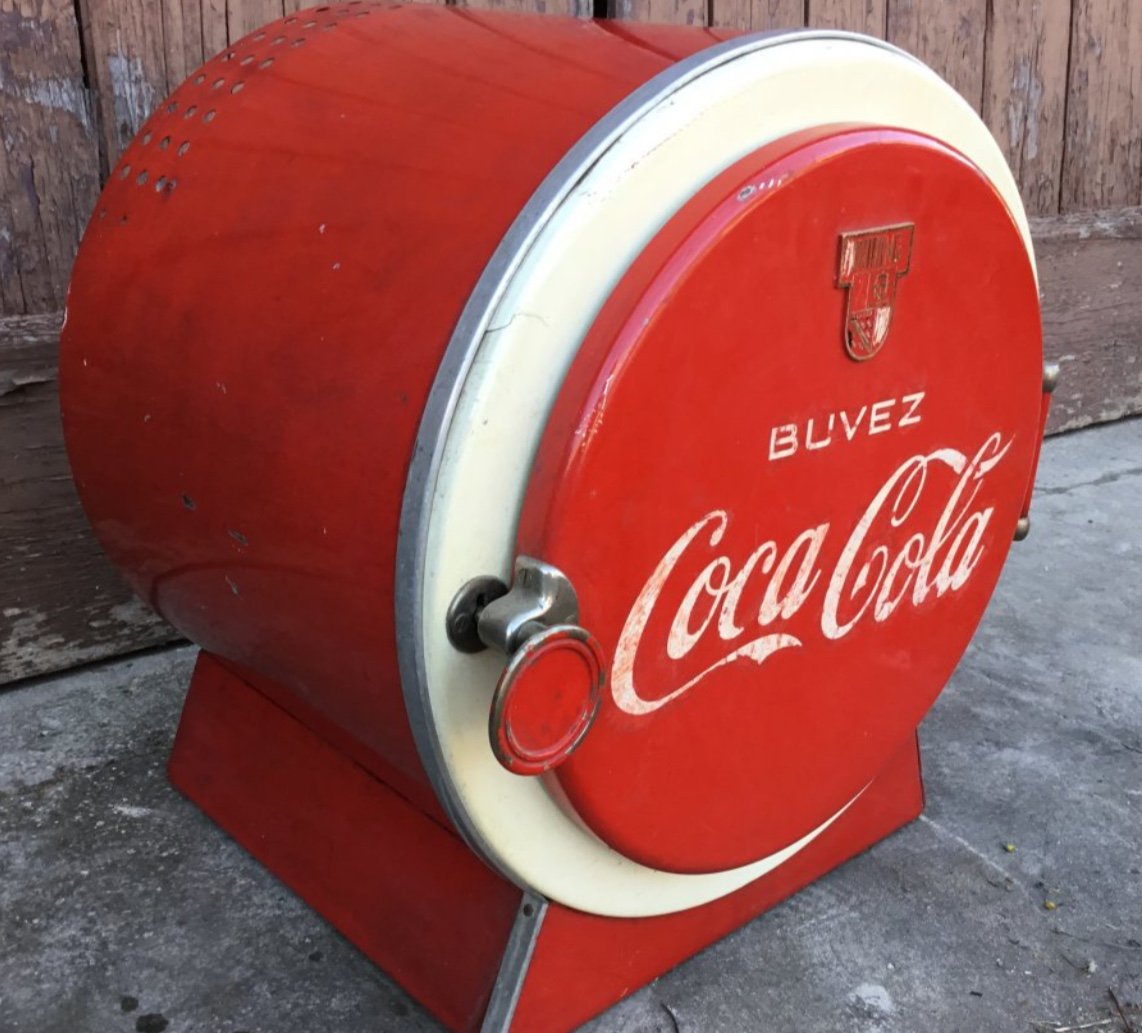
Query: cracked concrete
[122, 908]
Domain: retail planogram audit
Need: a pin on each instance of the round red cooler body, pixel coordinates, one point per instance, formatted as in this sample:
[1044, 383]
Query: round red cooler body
[608, 437]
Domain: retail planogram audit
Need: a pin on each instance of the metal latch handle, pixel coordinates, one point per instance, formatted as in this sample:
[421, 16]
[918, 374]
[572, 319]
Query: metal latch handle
[549, 693]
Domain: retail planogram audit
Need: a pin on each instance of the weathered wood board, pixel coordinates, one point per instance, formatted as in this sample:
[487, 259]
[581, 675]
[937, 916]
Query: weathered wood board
[1090, 276]
[867, 16]
[674, 12]
[49, 176]
[1058, 81]
[1102, 163]
[61, 602]
[570, 8]
[758, 15]
[949, 37]
[137, 51]
[1025, 93]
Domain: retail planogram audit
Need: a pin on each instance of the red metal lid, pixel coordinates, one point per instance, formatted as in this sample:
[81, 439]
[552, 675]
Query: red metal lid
[783, 475]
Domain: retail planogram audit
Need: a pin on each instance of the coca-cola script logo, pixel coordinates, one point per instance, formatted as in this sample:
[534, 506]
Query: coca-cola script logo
[868, 582]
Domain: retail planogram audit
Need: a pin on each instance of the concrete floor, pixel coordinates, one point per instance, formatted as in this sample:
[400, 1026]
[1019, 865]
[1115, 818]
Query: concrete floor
[122, 908]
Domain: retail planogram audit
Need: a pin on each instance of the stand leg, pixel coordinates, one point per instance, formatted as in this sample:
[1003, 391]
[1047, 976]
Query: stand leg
[405, 890]
[478, 953]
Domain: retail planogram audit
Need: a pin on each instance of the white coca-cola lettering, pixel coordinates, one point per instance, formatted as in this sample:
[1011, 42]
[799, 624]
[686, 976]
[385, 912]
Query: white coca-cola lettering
[912, 416]
[878, 418]
[826, 438]
[819, 432]
[852, 428]
[868, 581]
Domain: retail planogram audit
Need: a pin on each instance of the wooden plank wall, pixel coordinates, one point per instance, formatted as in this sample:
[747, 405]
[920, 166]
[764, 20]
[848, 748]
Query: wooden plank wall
[1058, 81]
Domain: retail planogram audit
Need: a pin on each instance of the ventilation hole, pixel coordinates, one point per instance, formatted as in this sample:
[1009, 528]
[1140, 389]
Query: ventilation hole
[247, 59]
[146, 139]
[329, 25]
[238, 87]
[209, 116]
[171, 184]
[164, 143]
[298, 42]
[259, 37]
[172, 108]
[310, 25]
[230, 55]
[183, 148]
[160, 183]
[125, 171]
[218, 84]
[266, 64]
[277, 41]
[190, 111]
[141, 178]
[199, 80]
[122, 220]
[289, 21]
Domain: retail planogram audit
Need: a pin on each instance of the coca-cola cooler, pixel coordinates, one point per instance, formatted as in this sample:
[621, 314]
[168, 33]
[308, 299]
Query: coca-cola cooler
[582, 451]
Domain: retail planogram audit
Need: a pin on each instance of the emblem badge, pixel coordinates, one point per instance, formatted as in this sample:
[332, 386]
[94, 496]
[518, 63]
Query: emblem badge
[872, 262]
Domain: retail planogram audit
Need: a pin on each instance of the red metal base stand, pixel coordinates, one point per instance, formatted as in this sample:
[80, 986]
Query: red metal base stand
[474, 949]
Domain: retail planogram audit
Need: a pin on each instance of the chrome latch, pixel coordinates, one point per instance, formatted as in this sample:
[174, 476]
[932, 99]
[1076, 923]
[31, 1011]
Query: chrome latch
[541, 709]
[485, 612]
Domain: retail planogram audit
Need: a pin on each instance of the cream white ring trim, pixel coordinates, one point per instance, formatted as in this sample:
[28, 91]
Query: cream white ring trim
[601, 225]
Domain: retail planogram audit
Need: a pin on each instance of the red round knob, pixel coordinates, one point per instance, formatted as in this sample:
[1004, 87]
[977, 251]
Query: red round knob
[547, 699]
